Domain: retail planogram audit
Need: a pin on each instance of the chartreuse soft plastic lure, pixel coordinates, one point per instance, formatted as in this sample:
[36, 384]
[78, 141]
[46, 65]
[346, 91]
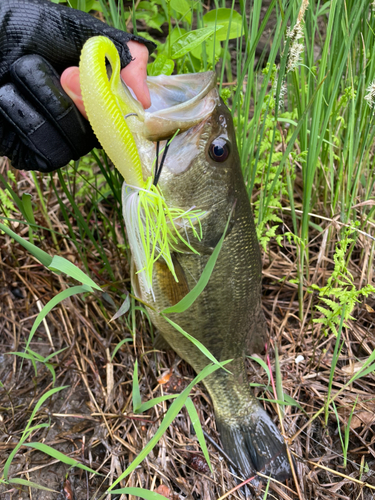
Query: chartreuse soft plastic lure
[150, 223]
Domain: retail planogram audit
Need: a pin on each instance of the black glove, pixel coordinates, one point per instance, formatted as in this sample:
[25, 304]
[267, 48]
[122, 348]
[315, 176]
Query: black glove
[40, 127]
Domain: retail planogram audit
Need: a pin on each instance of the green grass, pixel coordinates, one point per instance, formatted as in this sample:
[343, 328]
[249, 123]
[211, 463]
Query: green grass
[305, 132]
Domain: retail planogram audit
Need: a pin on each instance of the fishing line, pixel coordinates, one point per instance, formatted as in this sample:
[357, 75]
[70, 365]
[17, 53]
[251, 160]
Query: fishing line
[159, 168]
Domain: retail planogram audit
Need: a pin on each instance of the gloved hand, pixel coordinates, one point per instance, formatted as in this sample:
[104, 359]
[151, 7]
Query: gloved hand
[40, 128]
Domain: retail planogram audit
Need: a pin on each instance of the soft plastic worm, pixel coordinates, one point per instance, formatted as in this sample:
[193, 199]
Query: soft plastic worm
[105, 103]
[152, 226]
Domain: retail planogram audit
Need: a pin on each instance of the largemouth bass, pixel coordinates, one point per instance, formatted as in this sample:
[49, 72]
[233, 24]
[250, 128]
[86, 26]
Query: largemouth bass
[202, 170]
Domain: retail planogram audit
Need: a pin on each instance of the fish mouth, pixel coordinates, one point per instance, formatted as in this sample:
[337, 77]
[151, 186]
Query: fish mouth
[178, 102]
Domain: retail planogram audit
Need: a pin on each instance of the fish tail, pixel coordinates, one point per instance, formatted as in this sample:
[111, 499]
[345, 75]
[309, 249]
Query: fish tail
[249, 436]
[254, 443]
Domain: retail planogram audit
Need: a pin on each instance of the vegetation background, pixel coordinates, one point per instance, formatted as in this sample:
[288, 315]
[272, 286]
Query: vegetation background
[79, 393]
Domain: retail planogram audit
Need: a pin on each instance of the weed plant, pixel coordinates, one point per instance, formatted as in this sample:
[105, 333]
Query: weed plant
[304, 116]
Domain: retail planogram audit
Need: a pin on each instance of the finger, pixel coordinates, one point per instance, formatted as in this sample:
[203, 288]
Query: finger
[70, 83]
[135, 73]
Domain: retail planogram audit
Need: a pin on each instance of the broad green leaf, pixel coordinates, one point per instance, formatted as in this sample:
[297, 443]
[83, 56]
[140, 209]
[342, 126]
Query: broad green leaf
[43, 257]
[153, 18]
[96, 6]
[69, 292]
[190, 40]
[84, 5]
[65, 266]
[183, 8]
[198, 429]
[48, 450]
[211, 46]
[192, 296]
[139, 492]
[137, 400]
[173, 411]
[30, 484]
[230, 27]
[166, 47]
[161, 66]
[145, 6]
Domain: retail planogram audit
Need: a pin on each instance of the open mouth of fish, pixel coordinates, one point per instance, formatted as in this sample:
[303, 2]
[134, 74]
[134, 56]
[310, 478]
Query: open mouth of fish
[177, 102]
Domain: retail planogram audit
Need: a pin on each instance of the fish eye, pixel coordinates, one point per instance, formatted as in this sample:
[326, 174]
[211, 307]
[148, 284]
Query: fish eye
[219, 149]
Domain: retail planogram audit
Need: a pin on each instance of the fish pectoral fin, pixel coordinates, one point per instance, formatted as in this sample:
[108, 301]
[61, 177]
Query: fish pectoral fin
[255, 444]
[172, 290]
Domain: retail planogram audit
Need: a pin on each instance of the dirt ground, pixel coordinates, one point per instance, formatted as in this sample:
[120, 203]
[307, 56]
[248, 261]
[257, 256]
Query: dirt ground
[91, 419]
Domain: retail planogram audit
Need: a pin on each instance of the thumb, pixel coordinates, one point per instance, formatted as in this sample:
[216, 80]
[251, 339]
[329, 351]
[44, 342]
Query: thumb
[71, 84]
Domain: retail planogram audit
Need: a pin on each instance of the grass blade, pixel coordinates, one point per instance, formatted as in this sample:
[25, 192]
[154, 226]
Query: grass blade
[139, 492]
[137, 400]
[30, 484]
[168, 419]
[198, 430]
[65, 266]
[196, 342]
[69, 292]
[192, 296]
[153, 402]
[43, 257]
[48, 450]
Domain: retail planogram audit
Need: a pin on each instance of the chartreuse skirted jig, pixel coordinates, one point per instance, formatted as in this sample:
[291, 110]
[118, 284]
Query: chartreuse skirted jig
[151, 225]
